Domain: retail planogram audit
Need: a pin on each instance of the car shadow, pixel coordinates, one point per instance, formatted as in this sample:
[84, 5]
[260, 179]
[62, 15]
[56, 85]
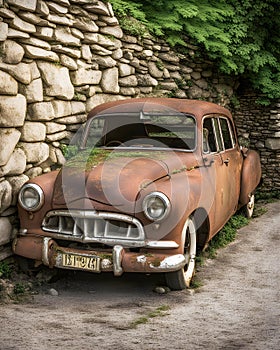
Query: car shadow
[80, 284]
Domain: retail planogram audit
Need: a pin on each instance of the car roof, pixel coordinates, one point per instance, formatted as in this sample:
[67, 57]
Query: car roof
[136, 105]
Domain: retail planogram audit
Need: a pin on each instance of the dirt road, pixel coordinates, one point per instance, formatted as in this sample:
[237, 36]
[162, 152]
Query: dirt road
[236, 308]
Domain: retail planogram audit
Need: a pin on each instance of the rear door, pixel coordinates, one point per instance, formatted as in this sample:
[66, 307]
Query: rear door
[223, 159]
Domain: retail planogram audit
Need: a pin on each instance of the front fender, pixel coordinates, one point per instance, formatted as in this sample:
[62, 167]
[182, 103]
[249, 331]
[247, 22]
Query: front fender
[184, 191]
[250, 175]
[33, 220]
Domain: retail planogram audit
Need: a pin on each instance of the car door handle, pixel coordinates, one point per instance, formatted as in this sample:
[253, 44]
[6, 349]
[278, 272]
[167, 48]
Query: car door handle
[226, 161]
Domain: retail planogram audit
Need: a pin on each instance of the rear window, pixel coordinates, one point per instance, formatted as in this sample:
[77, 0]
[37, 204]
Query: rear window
[227, 137]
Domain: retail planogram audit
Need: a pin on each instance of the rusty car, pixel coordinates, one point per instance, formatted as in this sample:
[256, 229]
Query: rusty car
[149, 182]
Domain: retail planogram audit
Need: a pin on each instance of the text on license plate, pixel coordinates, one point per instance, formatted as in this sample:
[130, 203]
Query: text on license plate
[91, 263]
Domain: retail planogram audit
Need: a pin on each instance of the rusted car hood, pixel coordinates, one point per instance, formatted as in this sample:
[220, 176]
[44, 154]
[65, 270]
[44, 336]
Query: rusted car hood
[112, 178]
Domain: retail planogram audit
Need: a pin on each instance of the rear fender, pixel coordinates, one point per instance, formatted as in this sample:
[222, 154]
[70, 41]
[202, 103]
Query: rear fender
[250, 176]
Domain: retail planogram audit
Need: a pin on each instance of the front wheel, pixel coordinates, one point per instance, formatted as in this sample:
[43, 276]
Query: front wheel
[181, 279]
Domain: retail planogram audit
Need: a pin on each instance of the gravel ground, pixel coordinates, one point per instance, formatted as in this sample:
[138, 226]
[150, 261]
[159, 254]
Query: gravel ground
[237, 306]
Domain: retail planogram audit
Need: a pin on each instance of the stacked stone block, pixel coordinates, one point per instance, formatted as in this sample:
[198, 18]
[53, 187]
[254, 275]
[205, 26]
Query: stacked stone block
[260, 130]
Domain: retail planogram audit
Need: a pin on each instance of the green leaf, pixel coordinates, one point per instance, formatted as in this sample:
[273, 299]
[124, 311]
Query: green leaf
[242, 37]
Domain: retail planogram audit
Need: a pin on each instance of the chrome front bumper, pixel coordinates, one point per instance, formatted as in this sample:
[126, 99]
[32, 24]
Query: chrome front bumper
[118, 260]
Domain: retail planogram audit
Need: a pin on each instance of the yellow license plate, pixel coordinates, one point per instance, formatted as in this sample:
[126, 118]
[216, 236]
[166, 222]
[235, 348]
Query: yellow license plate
[89, 263]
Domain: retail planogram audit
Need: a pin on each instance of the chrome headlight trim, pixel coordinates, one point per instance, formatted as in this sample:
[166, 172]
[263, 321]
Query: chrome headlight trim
[161, 199]
[37, 192]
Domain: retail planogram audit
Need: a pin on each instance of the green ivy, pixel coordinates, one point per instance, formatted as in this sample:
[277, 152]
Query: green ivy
[241, 36]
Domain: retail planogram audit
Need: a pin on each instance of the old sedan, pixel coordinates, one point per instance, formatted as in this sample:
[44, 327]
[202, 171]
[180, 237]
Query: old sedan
[149, 183]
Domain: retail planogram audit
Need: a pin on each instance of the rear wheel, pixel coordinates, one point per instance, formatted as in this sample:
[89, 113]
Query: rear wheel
[249, 207]
[181, 279]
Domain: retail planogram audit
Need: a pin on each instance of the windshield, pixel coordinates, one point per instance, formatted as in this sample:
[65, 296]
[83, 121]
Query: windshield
[153, 131]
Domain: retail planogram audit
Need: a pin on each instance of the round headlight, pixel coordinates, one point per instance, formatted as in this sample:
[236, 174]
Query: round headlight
[31, 197]
[156, 206]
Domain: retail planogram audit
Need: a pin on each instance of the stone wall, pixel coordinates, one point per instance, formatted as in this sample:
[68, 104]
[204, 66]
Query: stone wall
[260, 130]
[59, 59]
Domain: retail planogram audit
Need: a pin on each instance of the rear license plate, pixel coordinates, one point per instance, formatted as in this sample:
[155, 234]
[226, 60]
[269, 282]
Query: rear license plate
[75, 261]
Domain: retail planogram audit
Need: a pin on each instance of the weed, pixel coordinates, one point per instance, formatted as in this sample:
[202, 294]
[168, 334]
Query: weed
[57, 64]
[195, 283]
[140, 320]
[2, 50]
[181, 83]
[267, 197]
[234, 101]
[200, 259]
[160, 65]
[172, 93]
[68, 150]
[19, 288]
[110, 37]
[226, 235]
[158, 312]
[133, 26]
[244, 142]
[259, 211]
[264, 198]
[5, 270]
[78, 96]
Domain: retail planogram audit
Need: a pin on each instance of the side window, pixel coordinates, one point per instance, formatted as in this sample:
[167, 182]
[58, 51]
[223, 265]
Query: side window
[231, 128]
[227, 133]
[218, 134]
[209, 140]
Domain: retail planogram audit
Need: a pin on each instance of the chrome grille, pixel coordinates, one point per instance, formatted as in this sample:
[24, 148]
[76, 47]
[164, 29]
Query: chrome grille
[91, 226]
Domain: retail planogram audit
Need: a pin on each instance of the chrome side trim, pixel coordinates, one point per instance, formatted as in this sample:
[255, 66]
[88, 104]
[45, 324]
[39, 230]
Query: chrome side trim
[117, 260]
[162, 244]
